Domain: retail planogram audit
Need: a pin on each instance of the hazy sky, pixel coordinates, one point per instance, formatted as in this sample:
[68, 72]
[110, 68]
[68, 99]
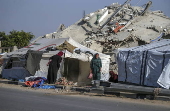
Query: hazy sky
[44, 16]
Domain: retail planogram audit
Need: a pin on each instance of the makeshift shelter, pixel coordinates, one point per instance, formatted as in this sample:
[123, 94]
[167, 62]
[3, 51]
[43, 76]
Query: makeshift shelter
[32, 61]
[144, 64]
[164, 79]
[76, 63]
[13, 68]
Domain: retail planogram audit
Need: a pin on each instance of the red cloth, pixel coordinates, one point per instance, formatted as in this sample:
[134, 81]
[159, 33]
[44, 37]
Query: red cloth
[31, 83]
[60, 53]
[113, 75]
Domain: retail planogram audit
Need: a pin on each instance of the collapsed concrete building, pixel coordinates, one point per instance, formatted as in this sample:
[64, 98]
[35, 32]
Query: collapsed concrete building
[116, 26]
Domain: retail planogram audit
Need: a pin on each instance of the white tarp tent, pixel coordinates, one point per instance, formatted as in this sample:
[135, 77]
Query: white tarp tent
[42, 44]
[143, 64]
[164, 79]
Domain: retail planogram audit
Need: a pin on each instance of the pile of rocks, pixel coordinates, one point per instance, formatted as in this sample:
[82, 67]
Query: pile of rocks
[64, 81]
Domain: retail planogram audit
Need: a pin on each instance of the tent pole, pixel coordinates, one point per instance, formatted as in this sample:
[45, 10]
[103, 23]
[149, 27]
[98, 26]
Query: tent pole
[67, 68]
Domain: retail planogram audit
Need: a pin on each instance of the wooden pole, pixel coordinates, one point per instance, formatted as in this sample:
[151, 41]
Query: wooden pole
[0, 46]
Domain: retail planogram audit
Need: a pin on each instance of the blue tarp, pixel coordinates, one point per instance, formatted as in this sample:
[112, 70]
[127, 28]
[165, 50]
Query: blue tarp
[40, 83]
[47, 87]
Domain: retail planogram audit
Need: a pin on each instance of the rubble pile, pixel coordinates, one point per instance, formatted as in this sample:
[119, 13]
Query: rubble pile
[64, 81]
[116, 26]
[123, 25]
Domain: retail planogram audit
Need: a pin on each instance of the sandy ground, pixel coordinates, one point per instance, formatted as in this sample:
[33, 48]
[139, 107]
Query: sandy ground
[73, 93]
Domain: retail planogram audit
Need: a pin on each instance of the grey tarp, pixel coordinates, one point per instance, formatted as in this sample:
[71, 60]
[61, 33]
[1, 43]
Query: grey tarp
[143, 64]
[33, 60]
[15, 73]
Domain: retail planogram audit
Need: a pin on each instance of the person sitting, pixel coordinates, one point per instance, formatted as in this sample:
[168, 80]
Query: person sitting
[113, 77]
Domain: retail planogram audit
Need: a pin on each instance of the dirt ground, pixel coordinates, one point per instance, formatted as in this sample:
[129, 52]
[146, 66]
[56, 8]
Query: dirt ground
[74, 93]
[23, 88]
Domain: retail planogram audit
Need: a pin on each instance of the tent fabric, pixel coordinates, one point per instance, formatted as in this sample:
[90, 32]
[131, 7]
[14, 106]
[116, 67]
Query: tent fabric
[85, 55]
[14, 62]
[164, 79]
[143, 64]
[15, 73]
[66, 46]
[40, 73]
[43, 64]
[153, 68]
[45, 42]
[33, 60]
[43, 72]
[105, 70]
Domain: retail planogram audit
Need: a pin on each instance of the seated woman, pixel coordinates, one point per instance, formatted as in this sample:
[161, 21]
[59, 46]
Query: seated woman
[113, 77]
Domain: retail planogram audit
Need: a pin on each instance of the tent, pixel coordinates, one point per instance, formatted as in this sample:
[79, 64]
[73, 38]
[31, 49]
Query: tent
[75, 66]
[144, 64]
[13, 68]
[164, 79]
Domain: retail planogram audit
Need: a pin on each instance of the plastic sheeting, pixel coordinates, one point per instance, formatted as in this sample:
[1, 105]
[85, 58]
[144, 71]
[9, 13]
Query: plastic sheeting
[153, 68]
[42, 44]
[105, 70]
[41, 74]
[164, 79]
[82, 56]
[47, 87]
[143, 64]
[33, 60]
[38, 82]
[15, 73]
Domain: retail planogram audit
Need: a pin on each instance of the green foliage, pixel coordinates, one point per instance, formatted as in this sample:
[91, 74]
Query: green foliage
[16, 38]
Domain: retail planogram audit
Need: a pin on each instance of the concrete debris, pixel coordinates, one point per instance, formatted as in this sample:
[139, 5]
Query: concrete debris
[112, 25]
[117, 26]
[64, 81]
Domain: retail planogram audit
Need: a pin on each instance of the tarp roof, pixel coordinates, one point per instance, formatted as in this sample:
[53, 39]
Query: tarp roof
[162, 45]
[42, 44]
